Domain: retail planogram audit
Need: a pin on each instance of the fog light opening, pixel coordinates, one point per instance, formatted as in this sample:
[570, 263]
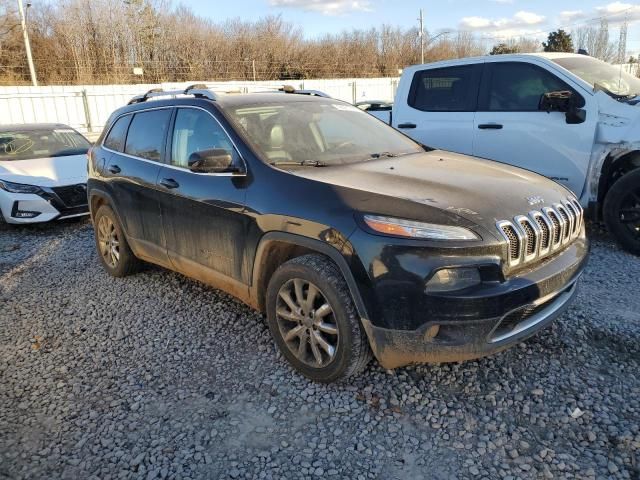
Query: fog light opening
[452, 279]
[25, 214]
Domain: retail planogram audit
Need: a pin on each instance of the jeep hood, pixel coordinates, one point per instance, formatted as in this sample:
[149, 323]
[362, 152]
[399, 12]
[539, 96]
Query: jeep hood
[46, 172]
[413, 186]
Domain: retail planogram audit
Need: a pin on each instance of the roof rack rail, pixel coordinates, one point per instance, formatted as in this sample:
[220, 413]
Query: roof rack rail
[198, 90]
[313, 93]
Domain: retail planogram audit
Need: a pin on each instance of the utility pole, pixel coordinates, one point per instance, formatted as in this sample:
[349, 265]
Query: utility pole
[27, 45]
[253, 67]
[421, 35]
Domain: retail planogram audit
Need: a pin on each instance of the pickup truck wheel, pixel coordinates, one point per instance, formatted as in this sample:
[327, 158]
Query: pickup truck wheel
[621, 211]
[313, 320]
[113, 250]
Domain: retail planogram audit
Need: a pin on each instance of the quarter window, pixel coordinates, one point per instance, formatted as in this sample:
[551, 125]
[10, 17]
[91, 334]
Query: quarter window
[146, 134]
[118, 134]
[518, 87]
[452, 89]
[195, 131]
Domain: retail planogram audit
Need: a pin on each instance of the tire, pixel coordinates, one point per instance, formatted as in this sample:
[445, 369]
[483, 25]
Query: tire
[351, 352]
[621, 211]
[116, 257]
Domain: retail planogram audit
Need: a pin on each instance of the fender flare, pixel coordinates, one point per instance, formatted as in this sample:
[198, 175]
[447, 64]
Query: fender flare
[101, 193]
[312, 244]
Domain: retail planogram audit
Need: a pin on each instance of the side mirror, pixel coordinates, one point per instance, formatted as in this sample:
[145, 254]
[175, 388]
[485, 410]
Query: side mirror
[563, 101]
[214, 160]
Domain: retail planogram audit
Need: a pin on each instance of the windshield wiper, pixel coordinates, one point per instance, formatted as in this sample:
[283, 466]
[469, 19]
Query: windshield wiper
[615, 96]
[293, 163]
[383, 154]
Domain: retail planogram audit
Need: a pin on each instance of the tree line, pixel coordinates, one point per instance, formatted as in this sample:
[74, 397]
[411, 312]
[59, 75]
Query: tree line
[102, 41]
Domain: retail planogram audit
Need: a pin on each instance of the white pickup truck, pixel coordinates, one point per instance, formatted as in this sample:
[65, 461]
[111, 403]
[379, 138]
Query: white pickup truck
[572, 118]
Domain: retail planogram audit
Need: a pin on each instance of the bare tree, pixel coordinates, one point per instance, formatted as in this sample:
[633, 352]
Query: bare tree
[596, 41]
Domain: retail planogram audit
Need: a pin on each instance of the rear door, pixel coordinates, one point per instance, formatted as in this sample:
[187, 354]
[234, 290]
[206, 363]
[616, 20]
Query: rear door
[202, 213]
[440, 106]
[132, 171]
[510, 128]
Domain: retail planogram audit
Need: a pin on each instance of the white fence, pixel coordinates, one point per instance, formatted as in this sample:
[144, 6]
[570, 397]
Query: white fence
[88, 107]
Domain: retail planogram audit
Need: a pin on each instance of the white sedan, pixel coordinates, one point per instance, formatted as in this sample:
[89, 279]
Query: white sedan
[43, 173]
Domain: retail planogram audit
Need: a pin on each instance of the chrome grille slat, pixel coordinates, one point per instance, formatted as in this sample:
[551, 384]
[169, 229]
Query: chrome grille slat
[541, 232]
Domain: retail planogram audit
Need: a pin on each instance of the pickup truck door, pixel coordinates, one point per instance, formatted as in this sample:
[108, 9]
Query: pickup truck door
[510, 128]
[437, 109]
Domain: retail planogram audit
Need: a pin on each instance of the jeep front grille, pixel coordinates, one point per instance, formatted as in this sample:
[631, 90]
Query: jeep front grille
[541, 232]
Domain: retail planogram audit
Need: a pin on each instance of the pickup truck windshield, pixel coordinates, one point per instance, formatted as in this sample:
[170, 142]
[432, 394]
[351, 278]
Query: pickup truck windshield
[613, 79]
[318, 134]
[30, 144]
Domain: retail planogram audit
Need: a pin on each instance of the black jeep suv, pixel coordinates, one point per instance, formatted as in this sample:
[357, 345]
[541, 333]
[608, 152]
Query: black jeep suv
[352, 238]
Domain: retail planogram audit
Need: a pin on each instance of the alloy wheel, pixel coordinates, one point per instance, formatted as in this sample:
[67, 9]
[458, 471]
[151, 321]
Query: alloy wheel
[630, 212]
[108, 241]
[307, 322]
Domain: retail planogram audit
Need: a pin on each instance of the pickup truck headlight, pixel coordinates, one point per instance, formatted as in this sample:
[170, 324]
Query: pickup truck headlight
[411, 229]
[18, 187]
[451, 279]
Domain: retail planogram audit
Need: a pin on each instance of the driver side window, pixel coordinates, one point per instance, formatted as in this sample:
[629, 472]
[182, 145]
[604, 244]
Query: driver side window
[195, 131]
[518, 87]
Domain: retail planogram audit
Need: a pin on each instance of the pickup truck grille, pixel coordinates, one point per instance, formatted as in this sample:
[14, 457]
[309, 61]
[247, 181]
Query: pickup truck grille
[541, 232]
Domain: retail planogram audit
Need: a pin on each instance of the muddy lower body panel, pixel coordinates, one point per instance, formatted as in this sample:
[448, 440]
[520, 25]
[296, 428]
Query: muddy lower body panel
[459, 341]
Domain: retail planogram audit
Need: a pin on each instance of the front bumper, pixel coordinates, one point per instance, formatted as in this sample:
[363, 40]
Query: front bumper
[23, 208]
[454, 342]
[479, 321]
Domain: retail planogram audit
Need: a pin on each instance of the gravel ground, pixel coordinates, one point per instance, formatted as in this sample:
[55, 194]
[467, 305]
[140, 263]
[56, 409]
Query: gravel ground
[158, 376]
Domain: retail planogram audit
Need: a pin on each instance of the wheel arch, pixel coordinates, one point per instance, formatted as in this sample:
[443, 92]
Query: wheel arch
[614, 167]
[275, 248]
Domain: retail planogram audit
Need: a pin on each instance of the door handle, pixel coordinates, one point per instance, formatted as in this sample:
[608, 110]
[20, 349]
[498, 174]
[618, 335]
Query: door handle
[407, 125]
[169, 183]
[114, 169]
[490, 126]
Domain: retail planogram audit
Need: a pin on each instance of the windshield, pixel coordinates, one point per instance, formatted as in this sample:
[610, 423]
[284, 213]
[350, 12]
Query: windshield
[41, 143]
[597, 73]
[319, 133]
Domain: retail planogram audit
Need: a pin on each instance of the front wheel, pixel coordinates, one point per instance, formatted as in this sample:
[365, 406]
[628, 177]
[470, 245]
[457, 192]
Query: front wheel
[621, 211]
[313, 320]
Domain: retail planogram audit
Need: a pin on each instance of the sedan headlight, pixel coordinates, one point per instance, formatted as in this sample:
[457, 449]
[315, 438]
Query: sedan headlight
[18, 187]
[411, 229]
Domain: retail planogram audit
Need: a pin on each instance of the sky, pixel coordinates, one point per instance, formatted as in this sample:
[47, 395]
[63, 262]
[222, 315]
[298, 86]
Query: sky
[493, 19]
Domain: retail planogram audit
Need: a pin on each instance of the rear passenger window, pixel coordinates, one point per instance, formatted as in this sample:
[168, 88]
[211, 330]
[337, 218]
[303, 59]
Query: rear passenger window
[518, 86]
[146, 134]
[115, 139]
[452, 89]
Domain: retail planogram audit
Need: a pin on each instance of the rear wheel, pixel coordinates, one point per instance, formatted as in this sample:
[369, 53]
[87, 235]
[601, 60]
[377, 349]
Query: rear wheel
[621, 211]
[313, 320]
[114, 252]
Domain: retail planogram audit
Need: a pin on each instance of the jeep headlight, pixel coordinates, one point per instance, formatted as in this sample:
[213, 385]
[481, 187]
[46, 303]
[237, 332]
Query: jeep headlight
[411, 229]
[18, 187]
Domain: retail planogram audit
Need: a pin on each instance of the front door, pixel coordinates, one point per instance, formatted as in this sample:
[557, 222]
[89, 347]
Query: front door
[510, 128]
[202, 213]
[440, 107]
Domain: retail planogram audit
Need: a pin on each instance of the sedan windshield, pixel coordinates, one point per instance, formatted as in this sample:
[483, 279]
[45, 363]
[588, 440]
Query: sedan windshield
[29, 144]
[316, 134]
[612, 79]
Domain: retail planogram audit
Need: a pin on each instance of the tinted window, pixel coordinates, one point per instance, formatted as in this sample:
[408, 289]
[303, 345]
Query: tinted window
[517, 87]
[445, 89]
[117, 135]
[146, 134]
[195, 131]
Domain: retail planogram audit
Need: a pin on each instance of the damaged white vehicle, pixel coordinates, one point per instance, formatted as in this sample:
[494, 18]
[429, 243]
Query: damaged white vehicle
[572, 118]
